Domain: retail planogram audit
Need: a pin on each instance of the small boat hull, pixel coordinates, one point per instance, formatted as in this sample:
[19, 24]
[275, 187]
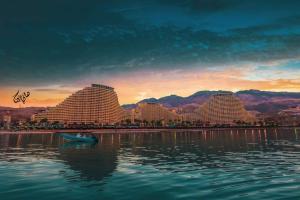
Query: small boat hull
[71, 137]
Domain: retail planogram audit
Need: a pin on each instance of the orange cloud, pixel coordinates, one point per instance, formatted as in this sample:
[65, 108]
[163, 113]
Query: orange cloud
[144, 84]
[36, 98]
[185, 83]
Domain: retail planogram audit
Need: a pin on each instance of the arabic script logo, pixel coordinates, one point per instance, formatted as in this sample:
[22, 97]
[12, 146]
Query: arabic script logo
[21, 97]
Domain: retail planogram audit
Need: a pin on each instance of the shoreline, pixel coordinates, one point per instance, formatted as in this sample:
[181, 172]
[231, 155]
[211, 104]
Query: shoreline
[134, 130]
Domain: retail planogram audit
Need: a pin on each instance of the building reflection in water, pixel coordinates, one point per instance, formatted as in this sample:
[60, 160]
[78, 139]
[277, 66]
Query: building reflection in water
[203, 148]
[92, 161]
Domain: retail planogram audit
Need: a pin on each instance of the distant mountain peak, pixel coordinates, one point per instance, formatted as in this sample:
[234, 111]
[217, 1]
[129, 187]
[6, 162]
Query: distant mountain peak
[149, 100]
[256, 100]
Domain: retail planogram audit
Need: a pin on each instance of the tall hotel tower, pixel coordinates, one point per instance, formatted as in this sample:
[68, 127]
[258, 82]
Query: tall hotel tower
[96, 104]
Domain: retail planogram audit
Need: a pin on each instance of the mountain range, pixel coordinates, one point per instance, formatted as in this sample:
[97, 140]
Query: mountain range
[254, 100]
[20, 113]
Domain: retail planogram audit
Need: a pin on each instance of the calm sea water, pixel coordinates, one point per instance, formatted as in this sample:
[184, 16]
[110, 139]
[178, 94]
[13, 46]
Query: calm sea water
[213, 164]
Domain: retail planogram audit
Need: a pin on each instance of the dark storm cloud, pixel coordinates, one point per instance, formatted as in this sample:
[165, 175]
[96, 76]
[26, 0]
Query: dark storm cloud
[210, 6]
[60, 41]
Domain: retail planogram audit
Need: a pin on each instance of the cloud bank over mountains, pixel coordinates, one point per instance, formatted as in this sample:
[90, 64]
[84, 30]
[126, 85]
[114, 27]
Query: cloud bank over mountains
[71, 38]
[73, 43]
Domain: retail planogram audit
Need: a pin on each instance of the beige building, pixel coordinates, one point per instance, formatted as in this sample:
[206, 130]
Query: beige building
[224, 108]
[96, 104]
[154, 112]
[190, 117]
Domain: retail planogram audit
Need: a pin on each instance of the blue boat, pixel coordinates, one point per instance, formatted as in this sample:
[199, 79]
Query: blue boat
[79, 138]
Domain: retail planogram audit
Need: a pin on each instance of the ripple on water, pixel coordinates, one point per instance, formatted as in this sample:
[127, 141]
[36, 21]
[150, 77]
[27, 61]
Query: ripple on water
[192, 167]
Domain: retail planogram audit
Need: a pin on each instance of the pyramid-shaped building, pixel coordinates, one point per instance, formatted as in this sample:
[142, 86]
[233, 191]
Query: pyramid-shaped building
[224, 108]
[96, 104]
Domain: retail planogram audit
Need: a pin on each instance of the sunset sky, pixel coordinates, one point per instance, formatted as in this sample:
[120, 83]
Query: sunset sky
[147, 48]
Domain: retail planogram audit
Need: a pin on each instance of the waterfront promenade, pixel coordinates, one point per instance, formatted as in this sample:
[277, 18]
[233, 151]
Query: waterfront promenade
[135, 130]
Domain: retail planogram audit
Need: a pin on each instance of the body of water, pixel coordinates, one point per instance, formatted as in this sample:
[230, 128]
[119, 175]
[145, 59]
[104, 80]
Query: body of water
[204, 164]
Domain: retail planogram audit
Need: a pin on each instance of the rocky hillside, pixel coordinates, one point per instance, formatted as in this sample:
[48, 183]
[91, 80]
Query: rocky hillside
[20, 113]
[254, 100]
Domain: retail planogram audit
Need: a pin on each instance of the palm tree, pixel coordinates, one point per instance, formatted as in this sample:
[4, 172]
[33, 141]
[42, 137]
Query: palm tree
[128, 121]
[44, 123]
[152, 123]
[159, 123]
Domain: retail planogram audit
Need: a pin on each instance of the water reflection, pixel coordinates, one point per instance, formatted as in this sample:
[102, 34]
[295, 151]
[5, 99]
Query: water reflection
[183, 151]
[168, 151]
[92, 161]
[76, 145]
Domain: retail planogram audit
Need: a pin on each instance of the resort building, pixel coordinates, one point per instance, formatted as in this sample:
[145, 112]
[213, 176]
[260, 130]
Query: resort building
[154, 112]
[224, 108]
[96, 104]
[190, 117]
